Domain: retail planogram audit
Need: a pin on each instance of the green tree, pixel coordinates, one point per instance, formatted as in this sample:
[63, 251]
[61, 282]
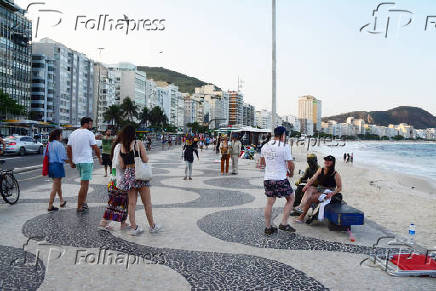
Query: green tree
[113, 115]
[198, 128]
[9, 107]
[129, 109]
[158, 117]
[144, 116]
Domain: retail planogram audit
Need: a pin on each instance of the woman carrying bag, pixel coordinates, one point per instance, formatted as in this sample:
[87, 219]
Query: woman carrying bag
[136, 177]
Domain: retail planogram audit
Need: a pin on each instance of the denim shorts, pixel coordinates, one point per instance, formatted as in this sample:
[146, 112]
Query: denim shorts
[85, 171]
[56, 170]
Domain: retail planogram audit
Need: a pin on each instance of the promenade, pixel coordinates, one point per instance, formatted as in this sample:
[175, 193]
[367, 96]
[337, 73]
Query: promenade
[212, 238]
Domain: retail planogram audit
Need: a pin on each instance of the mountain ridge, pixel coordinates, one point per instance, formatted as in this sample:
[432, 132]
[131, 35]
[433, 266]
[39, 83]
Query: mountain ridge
[186, 84]
[415, 116]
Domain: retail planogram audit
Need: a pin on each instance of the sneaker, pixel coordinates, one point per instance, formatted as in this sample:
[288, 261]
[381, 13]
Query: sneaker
[155, 228]
[85, 205]
[190, 178]
[82, 210]
[186, 178]
[286, 227]
[135, 232]
[271, 230]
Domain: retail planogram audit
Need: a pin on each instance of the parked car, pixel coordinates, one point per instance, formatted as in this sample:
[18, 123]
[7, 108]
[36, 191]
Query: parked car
[22, 145]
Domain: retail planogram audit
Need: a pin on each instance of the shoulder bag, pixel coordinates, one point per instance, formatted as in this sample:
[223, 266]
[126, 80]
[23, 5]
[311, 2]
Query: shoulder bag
[143, 170]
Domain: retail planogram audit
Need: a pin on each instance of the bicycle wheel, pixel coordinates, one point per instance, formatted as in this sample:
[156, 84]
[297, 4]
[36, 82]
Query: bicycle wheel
[10, 189]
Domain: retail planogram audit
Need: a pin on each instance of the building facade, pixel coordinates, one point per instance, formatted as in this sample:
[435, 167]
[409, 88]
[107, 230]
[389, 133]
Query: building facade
[15, 53]
[309, 112]
[104, 94]
[249, 115]
[43, 88]
[236, 107]
[74, 82]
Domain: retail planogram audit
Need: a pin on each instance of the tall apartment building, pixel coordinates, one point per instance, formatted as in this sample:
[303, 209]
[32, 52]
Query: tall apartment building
[249, 115]
[15, 53]
[43, 88]
[236, 108]
[129, 82]
[74, 82]
[309, 112]
[104, 94]
[263, 119]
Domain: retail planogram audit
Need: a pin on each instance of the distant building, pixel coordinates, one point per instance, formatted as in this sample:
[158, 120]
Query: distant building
[236, 109]
[249, 115]
[264, 119]
[43, 87]
[294, 121]
[309, 113]
[16, 53]
[104, 94]
[74, 81]
[129, 82]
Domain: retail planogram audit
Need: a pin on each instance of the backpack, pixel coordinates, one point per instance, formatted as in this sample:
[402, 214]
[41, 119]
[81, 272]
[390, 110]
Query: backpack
[45, 162]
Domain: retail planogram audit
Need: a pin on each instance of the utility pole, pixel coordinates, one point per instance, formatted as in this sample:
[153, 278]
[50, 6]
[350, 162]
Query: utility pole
[274, 69]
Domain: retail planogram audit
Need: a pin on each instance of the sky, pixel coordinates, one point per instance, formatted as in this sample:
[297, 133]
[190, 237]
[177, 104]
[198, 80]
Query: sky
[320, 48]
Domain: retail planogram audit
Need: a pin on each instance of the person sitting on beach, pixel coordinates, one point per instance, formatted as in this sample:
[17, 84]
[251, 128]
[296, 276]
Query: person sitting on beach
[312, 162]
[328, 181]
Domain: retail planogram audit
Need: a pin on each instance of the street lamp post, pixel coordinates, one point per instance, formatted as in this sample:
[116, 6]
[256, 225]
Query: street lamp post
[274, 71]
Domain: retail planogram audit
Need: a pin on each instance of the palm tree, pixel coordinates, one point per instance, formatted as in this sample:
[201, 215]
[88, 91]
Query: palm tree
[158, 117]
[129, 109]
[144, 116]
[113, 115]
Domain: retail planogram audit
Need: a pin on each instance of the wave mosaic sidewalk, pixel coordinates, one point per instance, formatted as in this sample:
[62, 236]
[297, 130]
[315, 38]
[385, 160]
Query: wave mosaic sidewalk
[212, 238]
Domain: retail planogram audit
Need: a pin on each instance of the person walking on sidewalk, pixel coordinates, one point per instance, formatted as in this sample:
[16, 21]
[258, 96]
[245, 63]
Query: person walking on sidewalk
[81, 143]
[277, 158]
[235, 151]
[225, 155]
[106, 144]
[117, 205]
[131, 148]
[188, 155]
[57, 156]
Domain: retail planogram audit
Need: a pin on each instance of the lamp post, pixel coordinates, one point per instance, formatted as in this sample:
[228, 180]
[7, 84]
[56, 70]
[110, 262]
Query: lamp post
[274, 71]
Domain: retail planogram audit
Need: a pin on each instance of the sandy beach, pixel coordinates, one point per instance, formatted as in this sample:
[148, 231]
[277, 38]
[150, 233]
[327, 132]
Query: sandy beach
[387, 198]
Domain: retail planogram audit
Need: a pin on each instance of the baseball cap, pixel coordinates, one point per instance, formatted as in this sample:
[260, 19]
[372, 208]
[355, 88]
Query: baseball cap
[330, 158]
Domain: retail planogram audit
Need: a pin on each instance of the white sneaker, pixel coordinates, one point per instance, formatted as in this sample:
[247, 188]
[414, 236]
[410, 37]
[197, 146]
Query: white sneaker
[155, 229]
[135, 232]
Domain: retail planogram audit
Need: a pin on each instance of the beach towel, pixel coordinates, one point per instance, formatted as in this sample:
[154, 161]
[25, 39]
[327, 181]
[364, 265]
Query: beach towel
[322, 204]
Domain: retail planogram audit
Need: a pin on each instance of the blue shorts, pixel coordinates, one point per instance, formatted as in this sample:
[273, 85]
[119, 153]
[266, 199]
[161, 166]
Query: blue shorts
[85, 171]
[56, 170]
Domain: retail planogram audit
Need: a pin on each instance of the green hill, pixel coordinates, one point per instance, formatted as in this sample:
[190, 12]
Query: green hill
[185, 83]
[415, 116]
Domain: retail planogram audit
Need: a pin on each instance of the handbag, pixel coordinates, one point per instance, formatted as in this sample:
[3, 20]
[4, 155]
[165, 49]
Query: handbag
[143, 170]
[45, 162]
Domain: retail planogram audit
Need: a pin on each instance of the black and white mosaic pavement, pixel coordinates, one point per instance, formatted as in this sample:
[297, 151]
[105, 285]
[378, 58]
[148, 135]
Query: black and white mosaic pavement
[202, 270]
[231, 182]
[209, 198]
[20, 270]
[246, 226]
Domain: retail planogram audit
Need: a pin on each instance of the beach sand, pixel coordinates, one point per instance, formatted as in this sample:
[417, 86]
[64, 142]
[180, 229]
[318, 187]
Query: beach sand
[390, 199]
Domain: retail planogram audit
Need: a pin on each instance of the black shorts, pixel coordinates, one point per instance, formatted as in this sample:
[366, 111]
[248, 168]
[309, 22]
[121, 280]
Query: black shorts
[107, 161]
[277, 188]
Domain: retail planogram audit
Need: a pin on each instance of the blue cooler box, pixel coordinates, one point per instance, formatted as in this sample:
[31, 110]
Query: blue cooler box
[342, 214]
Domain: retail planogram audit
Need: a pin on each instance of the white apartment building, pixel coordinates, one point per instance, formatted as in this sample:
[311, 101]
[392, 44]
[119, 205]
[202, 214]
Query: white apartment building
[104, 94]
[129, 82]
[294, 121]
[74, 82]
[264, 119]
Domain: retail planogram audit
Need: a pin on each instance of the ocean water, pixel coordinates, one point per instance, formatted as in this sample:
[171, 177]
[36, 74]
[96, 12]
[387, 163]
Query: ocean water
[412, 158]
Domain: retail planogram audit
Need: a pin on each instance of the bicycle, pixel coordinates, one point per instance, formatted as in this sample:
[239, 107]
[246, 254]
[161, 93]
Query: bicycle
[9, 187]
